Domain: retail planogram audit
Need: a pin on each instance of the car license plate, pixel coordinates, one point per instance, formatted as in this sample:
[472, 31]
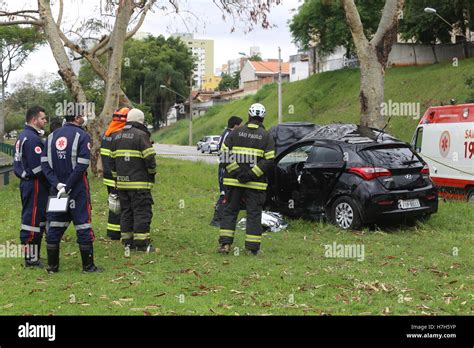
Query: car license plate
[408, 204]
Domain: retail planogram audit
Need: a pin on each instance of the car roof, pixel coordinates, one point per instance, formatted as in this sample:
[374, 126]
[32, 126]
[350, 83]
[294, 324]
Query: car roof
[351, 134]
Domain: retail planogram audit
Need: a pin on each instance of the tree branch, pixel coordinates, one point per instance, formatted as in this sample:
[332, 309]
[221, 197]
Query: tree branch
[390, 15]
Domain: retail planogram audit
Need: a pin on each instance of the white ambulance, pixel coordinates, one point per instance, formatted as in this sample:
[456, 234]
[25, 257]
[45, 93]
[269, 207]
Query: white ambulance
[445, 139]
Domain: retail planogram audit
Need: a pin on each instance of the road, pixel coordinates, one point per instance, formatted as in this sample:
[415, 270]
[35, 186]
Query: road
[187, 153]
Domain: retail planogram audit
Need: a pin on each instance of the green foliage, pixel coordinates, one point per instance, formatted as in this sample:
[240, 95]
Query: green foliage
[46, 90]
[428, 28]
[256, 58]
[229, 82]
[153, 62]
[324, 21]
[16, 43]
[14, 122]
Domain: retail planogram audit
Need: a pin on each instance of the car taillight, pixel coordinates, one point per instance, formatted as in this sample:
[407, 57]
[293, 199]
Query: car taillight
[425, 170]
[369, 173]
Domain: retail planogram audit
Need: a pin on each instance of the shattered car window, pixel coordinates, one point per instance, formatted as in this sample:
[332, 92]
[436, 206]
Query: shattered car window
[301, 154]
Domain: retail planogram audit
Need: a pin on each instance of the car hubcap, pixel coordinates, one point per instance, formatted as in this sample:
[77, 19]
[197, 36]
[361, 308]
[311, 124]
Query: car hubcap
[344, 215]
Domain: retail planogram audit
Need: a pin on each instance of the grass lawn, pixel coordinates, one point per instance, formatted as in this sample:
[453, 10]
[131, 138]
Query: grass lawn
[421, 269]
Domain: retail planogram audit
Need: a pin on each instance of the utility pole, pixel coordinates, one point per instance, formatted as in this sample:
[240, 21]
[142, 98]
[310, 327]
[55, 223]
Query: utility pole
[191, 110]
[280, 116]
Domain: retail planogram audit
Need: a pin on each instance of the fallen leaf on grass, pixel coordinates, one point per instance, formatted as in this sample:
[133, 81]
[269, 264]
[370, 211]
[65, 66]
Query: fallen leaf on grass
[10, 305]
[162, 294]
[36, 290]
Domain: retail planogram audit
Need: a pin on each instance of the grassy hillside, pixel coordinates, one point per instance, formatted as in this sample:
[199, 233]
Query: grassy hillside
[337, 94]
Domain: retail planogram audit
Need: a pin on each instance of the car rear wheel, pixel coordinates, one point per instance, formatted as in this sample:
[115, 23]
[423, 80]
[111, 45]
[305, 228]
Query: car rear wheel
[345, 213]
[470, 195]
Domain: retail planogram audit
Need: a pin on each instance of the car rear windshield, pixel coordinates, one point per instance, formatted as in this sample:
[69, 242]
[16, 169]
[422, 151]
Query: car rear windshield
[391, 157]
[216, 138]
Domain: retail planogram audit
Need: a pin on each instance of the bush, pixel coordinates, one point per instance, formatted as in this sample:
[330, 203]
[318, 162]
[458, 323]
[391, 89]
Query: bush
[14, 122]
[264, 92]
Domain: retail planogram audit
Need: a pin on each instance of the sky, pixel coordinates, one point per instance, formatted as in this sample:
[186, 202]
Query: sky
[206, 23]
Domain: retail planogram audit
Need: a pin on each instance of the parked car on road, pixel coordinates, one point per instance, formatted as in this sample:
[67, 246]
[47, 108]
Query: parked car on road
[210, 144]
[351, 175]
[199, 143]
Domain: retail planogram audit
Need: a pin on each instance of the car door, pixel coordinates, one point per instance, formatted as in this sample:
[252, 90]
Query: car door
[284, 185]
[320, 175]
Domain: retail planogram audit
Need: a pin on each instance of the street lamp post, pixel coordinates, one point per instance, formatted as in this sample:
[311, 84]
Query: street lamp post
[431, 10]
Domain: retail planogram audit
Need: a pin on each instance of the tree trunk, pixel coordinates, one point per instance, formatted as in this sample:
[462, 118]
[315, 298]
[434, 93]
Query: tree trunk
[371, 94]
[112, 87]
[51, 32]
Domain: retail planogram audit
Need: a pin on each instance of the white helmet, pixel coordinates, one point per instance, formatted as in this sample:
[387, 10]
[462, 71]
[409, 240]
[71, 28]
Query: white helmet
[257, 110]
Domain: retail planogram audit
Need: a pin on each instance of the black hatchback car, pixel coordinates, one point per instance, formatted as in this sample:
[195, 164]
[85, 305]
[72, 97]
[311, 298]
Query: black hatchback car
[352, 175]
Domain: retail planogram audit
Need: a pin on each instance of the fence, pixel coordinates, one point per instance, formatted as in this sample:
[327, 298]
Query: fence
[6, 168]
[8, 149]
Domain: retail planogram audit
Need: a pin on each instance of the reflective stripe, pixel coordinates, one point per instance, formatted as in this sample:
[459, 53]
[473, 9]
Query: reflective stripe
[109, 182]
[36, 170]
[251, 184]
[23, 174]
[42, 224]
[81, 160]
[226, 233]
[148, 152]
[134, 185]
[113, 227]
[82, 227]
[30, 228]
[44, 159]
[231, 167]
[253, 239]
[114, 174]
[224, 148]
[269, 154]
[252, 125]
[141, 236]
[59, 224]
[50, 143]
[105, 152]
[258, 172]
[126, 235]
[21, 157]
[247, 151]
[126, 153]
[75, 144]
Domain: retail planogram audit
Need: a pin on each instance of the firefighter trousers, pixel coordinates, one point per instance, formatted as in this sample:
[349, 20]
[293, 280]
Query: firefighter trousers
[253, 201]
[135, 217]
[113, 223]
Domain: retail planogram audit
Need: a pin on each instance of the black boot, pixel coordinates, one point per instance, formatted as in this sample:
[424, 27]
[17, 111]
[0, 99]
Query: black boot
[32, 256]
[53, 257]
[87, 255]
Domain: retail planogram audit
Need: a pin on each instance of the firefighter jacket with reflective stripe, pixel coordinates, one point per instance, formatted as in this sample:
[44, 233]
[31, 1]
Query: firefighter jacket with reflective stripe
[27, 160]
[105, 152]
[66, 156]
[248, 149]
[132, 159]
